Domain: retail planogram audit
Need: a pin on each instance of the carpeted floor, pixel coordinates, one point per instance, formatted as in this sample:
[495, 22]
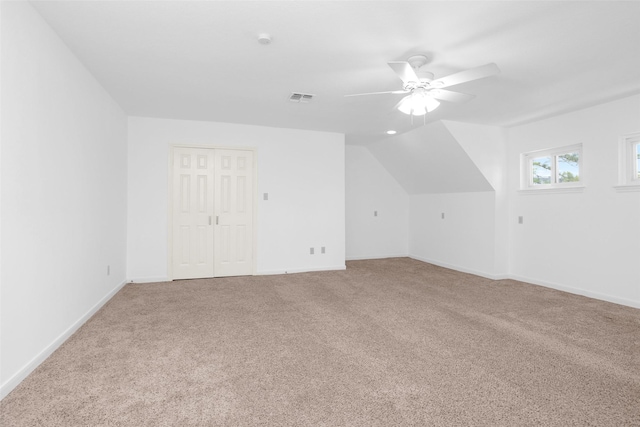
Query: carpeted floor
[390, 342]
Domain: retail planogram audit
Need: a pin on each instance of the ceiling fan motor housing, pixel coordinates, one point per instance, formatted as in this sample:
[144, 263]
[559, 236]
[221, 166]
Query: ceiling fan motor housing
[418, 61]
[424, 76]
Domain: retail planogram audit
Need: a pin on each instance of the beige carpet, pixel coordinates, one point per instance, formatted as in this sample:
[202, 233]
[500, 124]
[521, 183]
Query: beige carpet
[385, 343]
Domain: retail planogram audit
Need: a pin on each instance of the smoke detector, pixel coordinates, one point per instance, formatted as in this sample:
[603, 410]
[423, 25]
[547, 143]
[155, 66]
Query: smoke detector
[264, 38]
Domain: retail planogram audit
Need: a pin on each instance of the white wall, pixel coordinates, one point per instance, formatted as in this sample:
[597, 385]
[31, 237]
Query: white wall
[303, 172]
[463, 240]
[487, 147]
[369, 188]
[63, 193]
[457, 169]
[587, 243]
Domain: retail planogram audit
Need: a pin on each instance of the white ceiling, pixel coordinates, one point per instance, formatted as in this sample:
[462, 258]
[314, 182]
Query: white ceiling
[201, 60]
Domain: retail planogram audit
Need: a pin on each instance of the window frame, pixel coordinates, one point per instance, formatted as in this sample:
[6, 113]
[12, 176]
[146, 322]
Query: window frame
[526, 159]
[629, 148]
[635, 156]
[628, 179]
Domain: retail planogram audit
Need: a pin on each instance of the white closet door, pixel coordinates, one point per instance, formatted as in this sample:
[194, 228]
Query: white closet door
[192, 211]
[233, 193]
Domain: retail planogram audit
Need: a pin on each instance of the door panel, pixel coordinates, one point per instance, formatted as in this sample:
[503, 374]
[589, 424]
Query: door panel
[233, 250]
[192, 251]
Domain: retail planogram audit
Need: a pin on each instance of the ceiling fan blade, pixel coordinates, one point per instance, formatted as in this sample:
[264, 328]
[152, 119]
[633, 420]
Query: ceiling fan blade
[378, 93]
[467, 76]
[404, 70]
[447, 95]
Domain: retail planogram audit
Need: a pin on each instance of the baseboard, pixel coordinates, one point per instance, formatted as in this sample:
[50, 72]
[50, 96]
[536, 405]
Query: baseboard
[559, 287]
[148, 279]
[19, 376]
[577, 291]
[301, 270]
[363, 257]
[459, 268]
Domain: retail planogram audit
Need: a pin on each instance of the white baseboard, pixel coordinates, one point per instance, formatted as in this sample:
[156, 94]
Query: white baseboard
[459, 268]
[533, 281]
[362, 257]
[19, 376]
[577, 291]
[301, 270]
[148, 279]
[258, 273]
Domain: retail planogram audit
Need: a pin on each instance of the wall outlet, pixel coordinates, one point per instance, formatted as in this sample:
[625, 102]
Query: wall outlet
[265, 196]
[322, 250]
[520, 220]
[375, 213]
[442, 215]
[108, 270]
[311, 251]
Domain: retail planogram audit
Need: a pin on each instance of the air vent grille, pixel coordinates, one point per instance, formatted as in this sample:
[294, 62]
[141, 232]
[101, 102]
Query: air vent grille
[301, 97]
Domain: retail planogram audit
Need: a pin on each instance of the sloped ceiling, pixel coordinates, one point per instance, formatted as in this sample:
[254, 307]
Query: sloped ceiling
[429, 160]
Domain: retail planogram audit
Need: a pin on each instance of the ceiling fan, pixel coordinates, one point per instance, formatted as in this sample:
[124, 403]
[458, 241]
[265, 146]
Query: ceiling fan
[423, 91]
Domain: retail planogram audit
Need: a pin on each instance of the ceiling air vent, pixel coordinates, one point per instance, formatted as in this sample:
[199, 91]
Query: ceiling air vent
[300, 97]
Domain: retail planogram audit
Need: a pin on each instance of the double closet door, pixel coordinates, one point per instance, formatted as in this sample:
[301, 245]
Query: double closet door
[212, 212]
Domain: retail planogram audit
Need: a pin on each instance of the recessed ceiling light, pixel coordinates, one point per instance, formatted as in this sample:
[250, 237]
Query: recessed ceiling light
[391, 132]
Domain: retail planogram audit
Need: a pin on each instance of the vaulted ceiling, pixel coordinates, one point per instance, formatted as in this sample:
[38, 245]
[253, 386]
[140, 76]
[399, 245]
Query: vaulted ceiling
[201, 60]
[441, 166]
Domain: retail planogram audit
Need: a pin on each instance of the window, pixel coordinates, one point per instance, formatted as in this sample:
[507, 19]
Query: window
[636, 151]
[629, 162]
[553, 168]
[633, 147]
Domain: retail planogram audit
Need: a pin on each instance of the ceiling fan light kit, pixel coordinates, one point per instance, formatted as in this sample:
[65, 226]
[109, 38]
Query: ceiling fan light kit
[418, 103]
[424, 92]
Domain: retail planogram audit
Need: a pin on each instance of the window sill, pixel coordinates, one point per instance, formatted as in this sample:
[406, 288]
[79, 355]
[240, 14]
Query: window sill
[554, 190]
[627, 188]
